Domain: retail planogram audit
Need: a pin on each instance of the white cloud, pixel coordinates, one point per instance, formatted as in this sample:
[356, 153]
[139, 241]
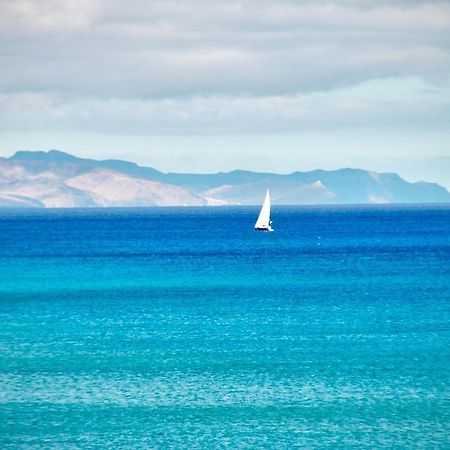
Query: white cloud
[172, 48]
[395, 102]
[32, 16]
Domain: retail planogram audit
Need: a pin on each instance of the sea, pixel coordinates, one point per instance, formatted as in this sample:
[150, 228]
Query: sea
[184, 328]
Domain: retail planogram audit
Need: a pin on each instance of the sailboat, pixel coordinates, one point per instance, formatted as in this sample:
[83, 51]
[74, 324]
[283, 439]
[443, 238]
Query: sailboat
[264, 223]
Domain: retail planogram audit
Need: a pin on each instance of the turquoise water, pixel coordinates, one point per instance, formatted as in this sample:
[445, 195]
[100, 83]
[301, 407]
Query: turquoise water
[183, 328]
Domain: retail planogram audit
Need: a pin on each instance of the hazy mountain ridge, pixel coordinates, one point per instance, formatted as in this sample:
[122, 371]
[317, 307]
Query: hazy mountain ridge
[58, 179]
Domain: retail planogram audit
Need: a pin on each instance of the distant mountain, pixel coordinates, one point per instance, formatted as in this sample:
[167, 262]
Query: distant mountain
[58, 179]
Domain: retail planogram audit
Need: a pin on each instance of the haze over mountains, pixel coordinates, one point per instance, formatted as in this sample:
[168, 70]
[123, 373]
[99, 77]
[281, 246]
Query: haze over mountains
[58, 179]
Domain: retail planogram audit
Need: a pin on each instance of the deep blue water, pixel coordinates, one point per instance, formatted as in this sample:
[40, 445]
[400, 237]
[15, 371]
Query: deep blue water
[184, 328]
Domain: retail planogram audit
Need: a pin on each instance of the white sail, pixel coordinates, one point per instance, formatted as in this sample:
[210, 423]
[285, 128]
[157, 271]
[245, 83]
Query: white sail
[263, 221]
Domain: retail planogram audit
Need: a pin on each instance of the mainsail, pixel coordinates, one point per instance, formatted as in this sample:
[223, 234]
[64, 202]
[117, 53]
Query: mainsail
[263, 221]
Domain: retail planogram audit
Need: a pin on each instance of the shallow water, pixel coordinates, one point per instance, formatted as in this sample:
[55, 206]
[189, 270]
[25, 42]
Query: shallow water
[172, 327]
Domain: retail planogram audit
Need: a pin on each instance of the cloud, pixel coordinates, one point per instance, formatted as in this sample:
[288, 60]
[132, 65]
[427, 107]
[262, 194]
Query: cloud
[179, 67]
[396, 102]
[31, 16]
[167, 49]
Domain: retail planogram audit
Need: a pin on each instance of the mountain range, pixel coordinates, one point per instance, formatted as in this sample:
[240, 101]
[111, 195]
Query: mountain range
[58, 179]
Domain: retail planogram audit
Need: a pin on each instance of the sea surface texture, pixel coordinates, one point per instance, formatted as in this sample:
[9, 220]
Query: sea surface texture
[184, 328]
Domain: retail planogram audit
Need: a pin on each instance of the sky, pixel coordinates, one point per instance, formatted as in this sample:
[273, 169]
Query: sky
[214, 85]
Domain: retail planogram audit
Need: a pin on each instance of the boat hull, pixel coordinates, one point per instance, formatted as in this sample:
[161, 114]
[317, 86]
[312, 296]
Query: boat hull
[264, 229]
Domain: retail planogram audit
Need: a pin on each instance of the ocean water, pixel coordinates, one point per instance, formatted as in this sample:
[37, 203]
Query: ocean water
[184, 328]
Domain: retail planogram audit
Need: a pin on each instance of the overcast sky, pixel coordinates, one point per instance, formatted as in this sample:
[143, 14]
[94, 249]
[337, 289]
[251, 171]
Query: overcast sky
[210, 85]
